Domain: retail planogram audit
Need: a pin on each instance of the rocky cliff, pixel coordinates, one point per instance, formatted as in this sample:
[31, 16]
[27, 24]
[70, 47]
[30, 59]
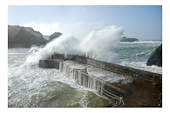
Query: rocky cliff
[24, 37]
[156, 57]
[124, 39]
[55, 35]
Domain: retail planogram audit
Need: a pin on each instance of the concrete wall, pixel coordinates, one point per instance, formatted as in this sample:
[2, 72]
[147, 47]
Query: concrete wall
[146, 76]
[136, 73]
[84, 79]
[106, 89]
[48, 64]
[92, 82]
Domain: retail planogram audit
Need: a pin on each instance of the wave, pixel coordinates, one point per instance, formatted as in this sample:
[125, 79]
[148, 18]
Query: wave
[97, 45]
[141, 65]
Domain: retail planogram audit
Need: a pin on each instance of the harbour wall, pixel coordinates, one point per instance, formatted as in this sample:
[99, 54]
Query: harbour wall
[142, 75]
[85, 79]
[104, 88]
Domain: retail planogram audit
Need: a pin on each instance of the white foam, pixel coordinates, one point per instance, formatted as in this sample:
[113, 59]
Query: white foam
[142, 66]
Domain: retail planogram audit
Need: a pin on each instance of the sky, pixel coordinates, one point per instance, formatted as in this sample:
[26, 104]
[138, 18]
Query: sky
[139, 21]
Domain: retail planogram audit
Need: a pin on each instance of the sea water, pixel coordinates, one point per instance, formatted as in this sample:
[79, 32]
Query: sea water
[136, 54]
[32, 86]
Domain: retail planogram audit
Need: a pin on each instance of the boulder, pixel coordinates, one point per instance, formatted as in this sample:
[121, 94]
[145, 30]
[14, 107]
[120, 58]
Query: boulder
[124, 39]
[24, 37]
[55, 35]
[156, 57]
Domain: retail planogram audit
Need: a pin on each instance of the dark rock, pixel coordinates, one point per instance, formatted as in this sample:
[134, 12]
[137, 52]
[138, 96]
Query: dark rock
[124, 39]
[55, 35]
[156, 57]
[24, 37]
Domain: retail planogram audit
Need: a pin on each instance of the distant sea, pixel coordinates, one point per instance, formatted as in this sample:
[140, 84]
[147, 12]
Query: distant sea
[136, 54]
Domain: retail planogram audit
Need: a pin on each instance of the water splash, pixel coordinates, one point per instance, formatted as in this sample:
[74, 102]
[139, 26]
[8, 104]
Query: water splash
[97, 45]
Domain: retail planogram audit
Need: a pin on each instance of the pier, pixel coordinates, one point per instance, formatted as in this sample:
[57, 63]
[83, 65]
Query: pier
[124, 86]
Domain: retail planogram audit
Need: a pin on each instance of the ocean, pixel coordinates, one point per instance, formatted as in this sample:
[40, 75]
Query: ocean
[136, 54]
[32, 86]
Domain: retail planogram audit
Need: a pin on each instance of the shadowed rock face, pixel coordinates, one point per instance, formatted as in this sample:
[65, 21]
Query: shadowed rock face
[55, 35]
[156, 57]
[124, 39]
[24, 37]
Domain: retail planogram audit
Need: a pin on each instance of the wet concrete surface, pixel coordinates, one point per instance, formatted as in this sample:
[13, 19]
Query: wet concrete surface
[99, 73]
[135, 92]
[140, 93]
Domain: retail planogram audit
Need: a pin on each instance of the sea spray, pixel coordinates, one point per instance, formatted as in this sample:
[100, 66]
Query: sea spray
[100, 44]
[31, 86]
[66, 44]
[97, 45]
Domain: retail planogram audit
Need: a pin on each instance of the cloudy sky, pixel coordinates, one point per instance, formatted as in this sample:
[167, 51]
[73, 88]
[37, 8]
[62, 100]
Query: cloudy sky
[139, 21]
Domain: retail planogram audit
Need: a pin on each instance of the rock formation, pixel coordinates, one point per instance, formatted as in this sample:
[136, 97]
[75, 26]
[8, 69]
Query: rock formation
[55, 35]
[46, 37]
[124, 39]
[24, 37]
[156, 57]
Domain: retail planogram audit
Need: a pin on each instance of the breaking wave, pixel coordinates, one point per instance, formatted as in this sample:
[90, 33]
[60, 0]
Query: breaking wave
[97, 45]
